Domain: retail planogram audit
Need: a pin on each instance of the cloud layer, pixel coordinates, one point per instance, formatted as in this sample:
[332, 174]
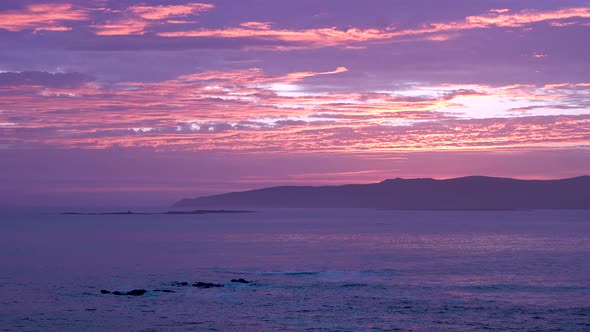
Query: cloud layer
[313, 80]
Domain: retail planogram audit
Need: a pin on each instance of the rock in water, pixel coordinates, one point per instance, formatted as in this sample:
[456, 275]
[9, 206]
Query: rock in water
[164, 291]
[241, 281]
[206, 285]
[136, 292]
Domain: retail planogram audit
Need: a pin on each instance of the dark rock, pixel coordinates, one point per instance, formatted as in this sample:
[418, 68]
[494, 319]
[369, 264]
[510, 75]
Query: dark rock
[164, 291]
[136, 292]
[176, 283]
[206, 285]
[241, 281]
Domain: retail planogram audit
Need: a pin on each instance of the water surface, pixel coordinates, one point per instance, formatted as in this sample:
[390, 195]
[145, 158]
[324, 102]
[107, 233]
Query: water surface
[329, 269]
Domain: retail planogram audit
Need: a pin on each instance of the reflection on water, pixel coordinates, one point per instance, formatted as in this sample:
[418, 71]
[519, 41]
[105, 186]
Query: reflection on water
[392, 240]
[312, 269]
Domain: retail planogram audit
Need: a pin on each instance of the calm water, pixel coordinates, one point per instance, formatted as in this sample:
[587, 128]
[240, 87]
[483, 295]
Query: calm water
[340, 270]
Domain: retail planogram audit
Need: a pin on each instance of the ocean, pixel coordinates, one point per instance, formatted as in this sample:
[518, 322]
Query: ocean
[309, 270]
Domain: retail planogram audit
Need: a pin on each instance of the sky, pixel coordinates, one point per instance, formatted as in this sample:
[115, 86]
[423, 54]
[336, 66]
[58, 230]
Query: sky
[144, 102]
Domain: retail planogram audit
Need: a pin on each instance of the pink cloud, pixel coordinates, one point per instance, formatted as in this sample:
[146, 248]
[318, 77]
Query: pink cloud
[312, 37]
[257, 25]
[527, 17]
[136, 19]
[254, 76]
[42, 17]
[562, 24]
[127, 26]
[53, 28]
[163, 12]
[500, 10]
[243, 111]
[437, 31]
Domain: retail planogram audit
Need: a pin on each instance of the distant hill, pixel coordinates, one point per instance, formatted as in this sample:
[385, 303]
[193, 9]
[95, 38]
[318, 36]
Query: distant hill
[467, 193]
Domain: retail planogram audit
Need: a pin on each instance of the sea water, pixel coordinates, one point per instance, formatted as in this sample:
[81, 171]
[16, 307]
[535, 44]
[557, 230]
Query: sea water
[311, 270]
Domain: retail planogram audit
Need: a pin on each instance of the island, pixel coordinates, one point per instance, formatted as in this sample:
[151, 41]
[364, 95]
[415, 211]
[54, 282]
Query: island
[465, 193]
[152, 213]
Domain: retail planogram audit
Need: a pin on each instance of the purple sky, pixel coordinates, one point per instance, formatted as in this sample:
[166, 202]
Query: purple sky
[144, 102]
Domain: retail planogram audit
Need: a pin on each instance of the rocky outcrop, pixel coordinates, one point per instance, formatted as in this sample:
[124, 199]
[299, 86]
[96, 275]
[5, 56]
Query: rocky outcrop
[206, 285]
[240, 280]
[198, 284]
[135, 292]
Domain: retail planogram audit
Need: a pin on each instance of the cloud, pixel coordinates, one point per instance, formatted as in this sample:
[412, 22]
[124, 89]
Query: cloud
[125, 26]
[254, 76]
[39, 78]
[503, 19]
[243, 110]
[319, 37]
[332, 36]
[136, 19]
[42, 17]
[133, 20]
[294, 77]
[257, 25]
[163, 12]
[500, 10]
[166, 20]
[53, 28]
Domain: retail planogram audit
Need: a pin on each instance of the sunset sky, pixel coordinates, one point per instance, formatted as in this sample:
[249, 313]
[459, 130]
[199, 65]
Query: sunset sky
[144, 102]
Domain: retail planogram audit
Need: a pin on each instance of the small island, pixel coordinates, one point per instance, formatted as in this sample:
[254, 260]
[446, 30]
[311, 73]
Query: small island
[154, 213]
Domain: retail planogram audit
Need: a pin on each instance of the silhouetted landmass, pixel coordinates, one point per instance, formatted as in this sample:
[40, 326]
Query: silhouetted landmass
[207, 212]
[148, 213]
[467, 193]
